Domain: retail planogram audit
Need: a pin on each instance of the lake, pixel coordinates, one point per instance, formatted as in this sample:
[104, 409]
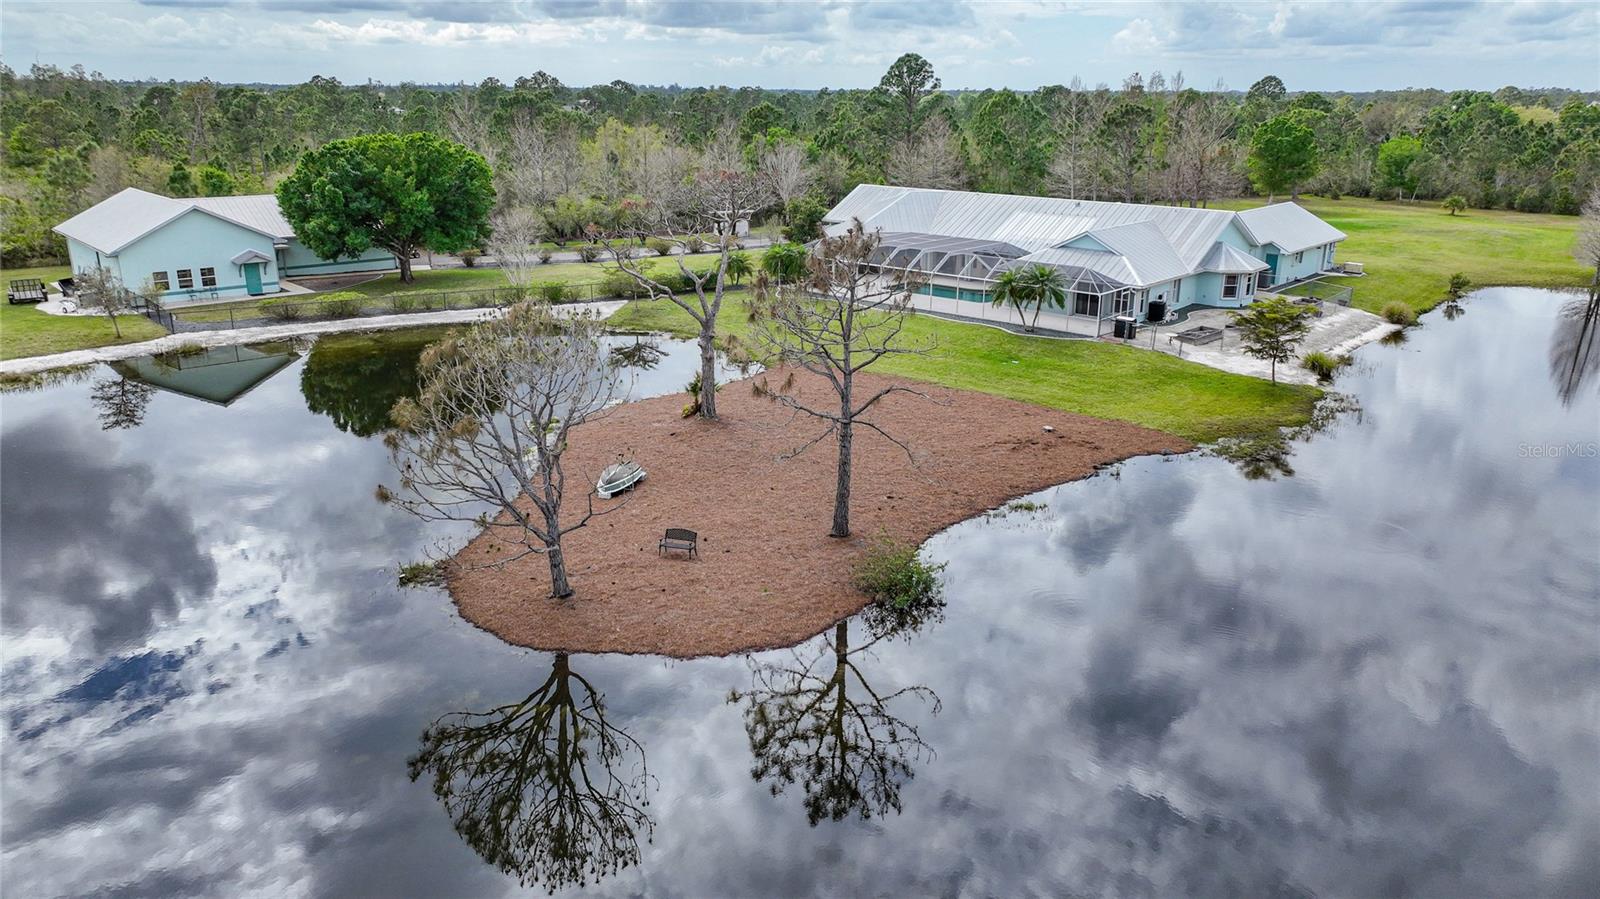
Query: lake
[1374, 673]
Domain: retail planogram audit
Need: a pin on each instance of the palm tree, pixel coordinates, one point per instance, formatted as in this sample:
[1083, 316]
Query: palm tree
[739, 265]
[1037, 285]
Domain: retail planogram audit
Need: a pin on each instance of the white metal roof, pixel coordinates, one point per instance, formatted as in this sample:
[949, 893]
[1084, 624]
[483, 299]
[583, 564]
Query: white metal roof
[1147, 244]
[1288, 225]
[258, 212]
[1230, 261]
[112, 224]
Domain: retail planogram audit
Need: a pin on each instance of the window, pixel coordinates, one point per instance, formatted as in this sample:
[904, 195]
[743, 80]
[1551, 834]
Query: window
[1230, 286]
[208, 277]
[1298, 257]
[1123, 303]
[185, 279]
[1086, 304]
[159, 281]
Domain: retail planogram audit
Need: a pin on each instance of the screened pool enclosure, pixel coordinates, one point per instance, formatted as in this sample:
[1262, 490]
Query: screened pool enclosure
[956, 276]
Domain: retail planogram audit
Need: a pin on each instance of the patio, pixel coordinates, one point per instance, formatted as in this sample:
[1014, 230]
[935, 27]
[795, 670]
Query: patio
[1339, 330]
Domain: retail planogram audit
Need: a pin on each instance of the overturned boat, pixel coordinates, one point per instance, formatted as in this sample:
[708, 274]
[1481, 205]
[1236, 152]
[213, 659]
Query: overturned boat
[617, 478]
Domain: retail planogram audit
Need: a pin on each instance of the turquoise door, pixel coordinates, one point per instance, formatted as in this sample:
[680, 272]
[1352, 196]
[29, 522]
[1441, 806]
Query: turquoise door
[252, 278]
[1272, 267]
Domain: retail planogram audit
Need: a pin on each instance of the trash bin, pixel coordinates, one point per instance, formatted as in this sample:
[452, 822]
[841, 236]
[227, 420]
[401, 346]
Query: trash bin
[1158, 311]
[1124, 327]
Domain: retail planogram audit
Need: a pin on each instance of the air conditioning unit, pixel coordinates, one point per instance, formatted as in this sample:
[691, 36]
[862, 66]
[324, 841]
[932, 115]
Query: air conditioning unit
[1353, 268]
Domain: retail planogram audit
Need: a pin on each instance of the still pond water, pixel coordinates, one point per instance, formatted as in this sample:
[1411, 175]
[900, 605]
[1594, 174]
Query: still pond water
[1378, 676]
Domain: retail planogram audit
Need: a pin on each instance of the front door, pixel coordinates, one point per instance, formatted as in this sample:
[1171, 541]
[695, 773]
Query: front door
[252, 278]
[1272, 268]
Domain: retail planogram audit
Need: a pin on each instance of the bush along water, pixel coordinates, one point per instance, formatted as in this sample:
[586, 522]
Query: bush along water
[894, 575]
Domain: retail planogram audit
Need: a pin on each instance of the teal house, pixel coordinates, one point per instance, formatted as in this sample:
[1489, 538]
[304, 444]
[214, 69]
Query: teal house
[199, 249]
[1117, 259]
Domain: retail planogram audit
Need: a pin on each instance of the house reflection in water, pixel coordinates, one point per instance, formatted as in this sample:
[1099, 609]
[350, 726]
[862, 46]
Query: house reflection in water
[217, 375]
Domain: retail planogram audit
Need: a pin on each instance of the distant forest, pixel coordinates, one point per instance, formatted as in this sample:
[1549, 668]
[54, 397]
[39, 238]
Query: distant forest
[578, 156]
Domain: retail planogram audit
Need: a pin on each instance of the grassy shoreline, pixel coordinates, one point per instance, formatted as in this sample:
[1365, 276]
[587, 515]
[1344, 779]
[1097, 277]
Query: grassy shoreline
[1410, 250]
[1193, 401]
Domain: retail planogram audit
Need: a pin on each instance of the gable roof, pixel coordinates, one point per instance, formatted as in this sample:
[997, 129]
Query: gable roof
[1289, 225]
[118, 221]
[1229, 261]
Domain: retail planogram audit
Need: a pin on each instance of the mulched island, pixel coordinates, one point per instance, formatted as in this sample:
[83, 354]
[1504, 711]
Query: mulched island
[768, 575]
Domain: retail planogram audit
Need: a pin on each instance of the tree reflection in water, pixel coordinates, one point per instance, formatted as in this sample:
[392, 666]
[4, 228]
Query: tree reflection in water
[545, 788]
[1574, 357]
[820, 722]
[120, 402]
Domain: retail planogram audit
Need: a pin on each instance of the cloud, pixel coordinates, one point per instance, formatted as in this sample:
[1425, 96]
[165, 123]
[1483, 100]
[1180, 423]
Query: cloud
[91, 538]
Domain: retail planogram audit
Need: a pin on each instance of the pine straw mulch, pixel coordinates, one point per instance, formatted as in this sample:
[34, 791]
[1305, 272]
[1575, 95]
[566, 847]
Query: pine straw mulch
[768, 574]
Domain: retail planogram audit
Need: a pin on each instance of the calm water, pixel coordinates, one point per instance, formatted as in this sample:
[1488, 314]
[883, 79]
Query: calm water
[1379, 676]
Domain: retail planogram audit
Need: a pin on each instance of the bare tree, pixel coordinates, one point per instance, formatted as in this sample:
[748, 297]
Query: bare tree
[99, 288]
[721, 192]
[1076, 171]
[1199, 148]
[1588, 249]
[839, 320]
[515, 231]
[933, 159]
[787, 171]
[468, 123]
[484, 439]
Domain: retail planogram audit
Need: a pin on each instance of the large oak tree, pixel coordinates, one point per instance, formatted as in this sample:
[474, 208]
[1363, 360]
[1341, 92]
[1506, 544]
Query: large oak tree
[400, 192]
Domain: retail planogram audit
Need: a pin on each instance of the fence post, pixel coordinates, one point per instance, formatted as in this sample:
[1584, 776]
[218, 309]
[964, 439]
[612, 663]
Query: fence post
[231, 325]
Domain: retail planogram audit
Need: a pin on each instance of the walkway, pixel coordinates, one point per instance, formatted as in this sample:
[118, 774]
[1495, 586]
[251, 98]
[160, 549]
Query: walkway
[236, 337]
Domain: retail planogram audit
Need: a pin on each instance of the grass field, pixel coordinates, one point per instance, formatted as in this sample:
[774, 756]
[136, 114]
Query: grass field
[1085, 376]
[1411, 249]
[25, 331]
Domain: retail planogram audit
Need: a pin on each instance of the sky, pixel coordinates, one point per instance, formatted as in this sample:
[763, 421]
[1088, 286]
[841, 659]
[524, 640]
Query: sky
[824, 43]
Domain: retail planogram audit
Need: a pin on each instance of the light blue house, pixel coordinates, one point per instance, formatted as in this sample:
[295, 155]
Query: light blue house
[199, 248]
[1117, 258]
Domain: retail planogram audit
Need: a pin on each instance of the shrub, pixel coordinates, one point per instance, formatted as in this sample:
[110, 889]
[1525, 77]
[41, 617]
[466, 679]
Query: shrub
[620, 284]
[658, 246]
[344, 304]
[551, 291]
[1323, 365]
[1532, 199]
[894, 574]
[588, 252]
[403, 303]
[1455, 203]
[280, 309]
[1397, 313]
[469, 258]
[1459, 284]
[695, 245]
[544, 256]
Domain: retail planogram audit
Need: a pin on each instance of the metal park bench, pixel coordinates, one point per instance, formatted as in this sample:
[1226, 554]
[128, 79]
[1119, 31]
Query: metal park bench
[679, 539]
[26, 290]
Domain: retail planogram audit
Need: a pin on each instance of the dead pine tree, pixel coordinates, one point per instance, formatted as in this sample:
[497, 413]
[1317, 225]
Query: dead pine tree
[841, 318]
[721, 192]
[483, 441]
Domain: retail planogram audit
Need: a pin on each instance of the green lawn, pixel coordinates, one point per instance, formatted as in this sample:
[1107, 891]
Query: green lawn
[1411, 249]
[1104, 380]
[25, 331]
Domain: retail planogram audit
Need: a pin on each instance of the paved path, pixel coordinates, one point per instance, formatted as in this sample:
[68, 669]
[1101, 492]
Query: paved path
[239, 336]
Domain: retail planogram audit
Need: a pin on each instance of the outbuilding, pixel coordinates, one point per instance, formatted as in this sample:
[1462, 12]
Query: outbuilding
[198, 249]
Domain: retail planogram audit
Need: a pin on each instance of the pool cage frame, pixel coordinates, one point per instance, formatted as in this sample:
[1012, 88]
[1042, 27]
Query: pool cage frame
[916, 259]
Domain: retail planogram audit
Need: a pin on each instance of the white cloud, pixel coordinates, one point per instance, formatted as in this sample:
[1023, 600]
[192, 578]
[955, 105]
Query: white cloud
[1138, 36]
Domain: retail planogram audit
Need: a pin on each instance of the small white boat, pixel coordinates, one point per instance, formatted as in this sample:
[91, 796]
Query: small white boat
[617, 478]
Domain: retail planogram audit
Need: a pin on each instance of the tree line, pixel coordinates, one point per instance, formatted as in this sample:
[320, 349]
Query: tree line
[581, 158]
